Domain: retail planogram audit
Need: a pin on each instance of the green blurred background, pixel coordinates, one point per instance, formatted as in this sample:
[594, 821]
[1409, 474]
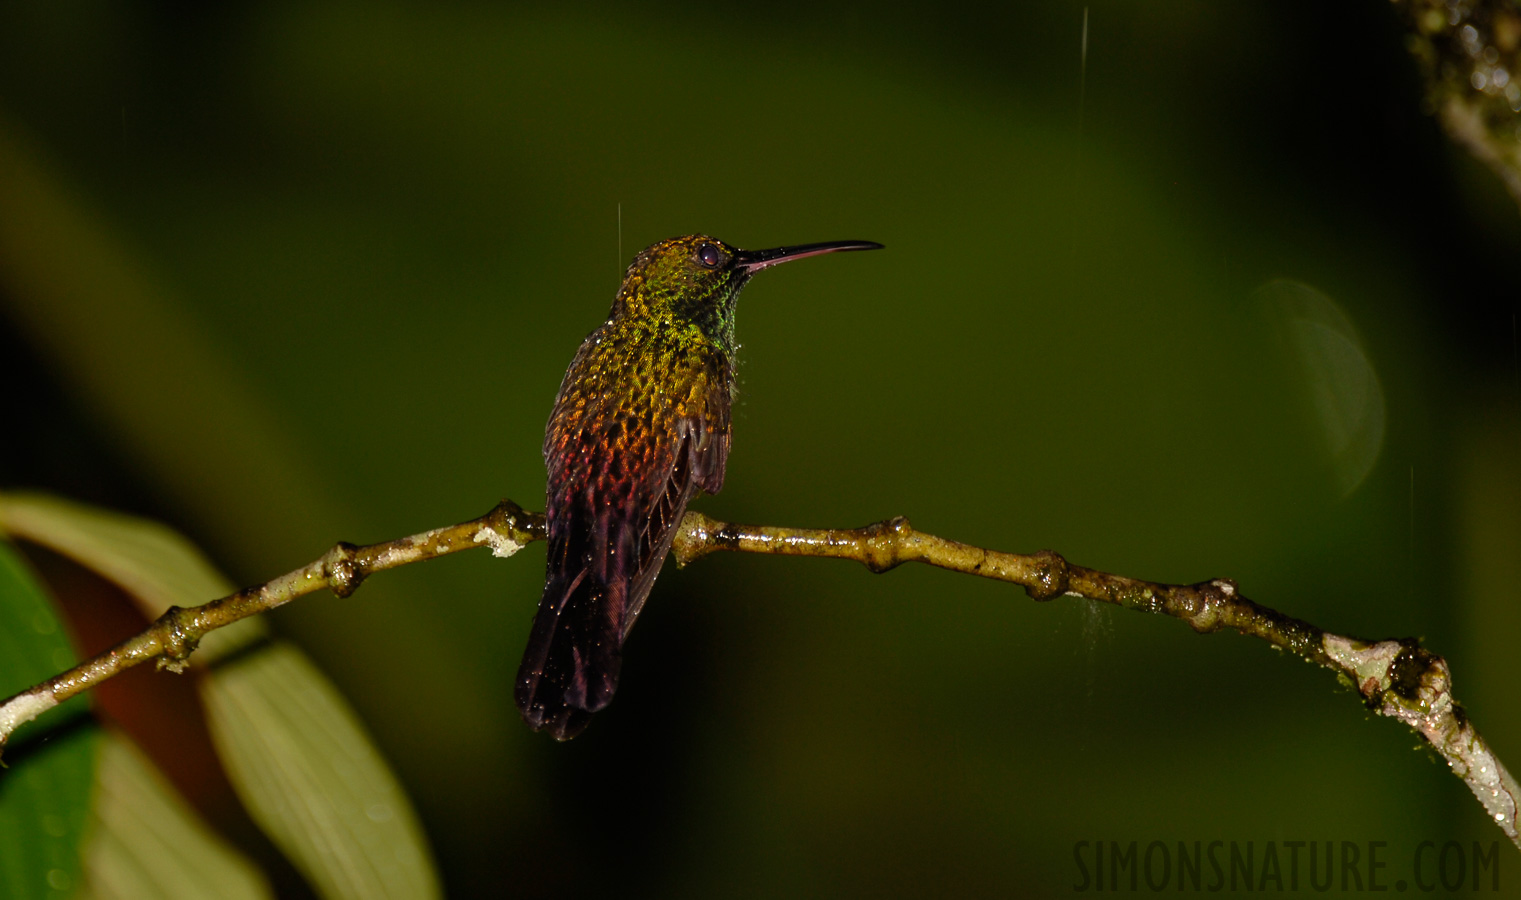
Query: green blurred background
[1217, 300]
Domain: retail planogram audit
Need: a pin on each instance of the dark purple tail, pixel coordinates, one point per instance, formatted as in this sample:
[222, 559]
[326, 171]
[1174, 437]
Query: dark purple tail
[570, 669]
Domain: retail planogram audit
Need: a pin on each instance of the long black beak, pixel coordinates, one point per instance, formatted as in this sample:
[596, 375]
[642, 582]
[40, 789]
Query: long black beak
[752, 261]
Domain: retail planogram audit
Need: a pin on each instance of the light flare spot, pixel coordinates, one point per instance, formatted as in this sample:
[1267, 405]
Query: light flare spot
[1344, 394]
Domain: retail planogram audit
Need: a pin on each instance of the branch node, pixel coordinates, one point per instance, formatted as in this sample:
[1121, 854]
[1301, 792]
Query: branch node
[884, 543]
[343, 576]
[510, 519]
[1205, 604]
[179, 638]
[1051, 576]
[691, 541]
[1408, 671]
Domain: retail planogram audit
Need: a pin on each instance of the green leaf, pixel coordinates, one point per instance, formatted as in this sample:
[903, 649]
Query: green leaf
[293, 749]
[313, 780]
[145, 840]
[45, 792]
[153, 563]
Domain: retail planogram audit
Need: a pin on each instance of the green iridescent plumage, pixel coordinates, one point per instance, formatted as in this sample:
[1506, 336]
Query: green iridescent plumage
[641, 424]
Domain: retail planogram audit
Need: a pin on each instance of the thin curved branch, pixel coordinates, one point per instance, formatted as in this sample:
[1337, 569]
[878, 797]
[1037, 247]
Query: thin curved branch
[1397, 678]
[174, 636]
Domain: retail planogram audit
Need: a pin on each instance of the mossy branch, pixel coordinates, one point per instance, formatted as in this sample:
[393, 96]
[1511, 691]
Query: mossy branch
[1469, 56]
[1397, 678]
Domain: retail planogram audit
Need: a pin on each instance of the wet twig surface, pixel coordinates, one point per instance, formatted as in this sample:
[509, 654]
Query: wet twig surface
[1396, 677]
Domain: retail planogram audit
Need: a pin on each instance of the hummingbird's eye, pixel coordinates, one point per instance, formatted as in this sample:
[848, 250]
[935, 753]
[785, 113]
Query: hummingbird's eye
[709, 255]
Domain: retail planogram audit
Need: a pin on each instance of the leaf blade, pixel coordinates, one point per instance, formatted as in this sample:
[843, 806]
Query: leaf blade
[312, 779]
[292, 748]
[156, 565]
[45, 792]
[145, 841]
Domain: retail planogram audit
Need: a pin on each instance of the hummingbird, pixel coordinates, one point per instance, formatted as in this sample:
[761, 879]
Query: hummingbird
[640, 426]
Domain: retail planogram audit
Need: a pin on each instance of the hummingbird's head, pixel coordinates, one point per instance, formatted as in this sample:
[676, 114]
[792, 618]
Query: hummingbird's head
[697, 279]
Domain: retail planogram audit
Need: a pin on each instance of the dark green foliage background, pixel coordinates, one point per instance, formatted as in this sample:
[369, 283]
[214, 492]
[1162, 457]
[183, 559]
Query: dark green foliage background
[387, 227]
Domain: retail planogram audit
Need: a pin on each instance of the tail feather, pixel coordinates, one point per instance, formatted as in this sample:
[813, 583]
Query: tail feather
[570, 669]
